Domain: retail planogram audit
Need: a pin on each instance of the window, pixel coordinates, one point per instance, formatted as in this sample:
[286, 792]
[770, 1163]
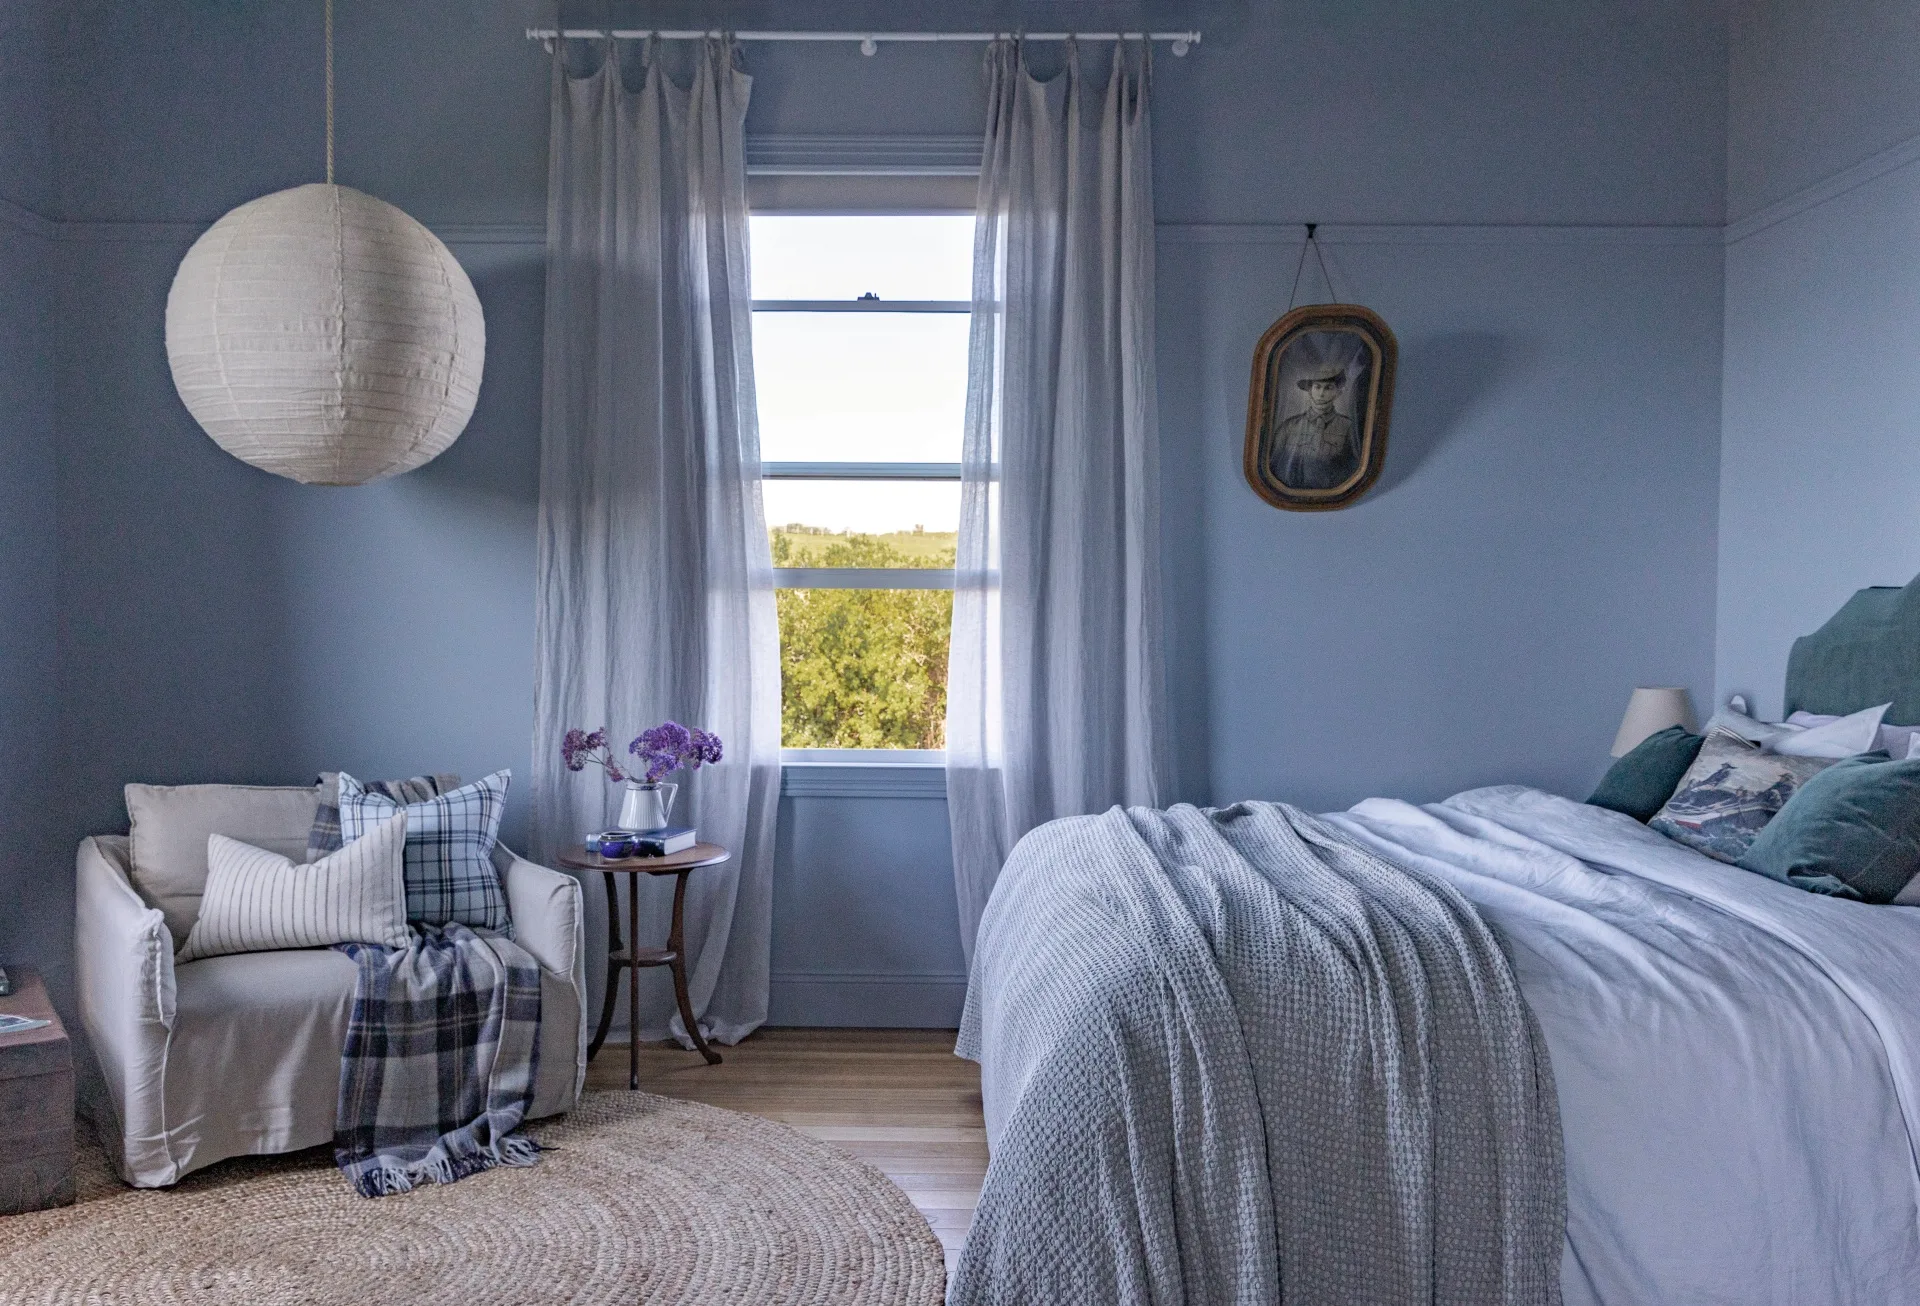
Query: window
[860, 359]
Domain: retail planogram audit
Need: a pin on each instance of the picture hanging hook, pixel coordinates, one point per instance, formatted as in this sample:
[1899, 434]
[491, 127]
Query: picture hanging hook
[1294, 291]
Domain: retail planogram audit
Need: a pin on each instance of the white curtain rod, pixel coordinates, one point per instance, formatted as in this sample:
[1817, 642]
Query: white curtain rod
[1180, 42]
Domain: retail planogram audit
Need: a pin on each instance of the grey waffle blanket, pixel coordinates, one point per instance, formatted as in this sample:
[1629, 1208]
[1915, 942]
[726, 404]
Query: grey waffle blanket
[1234, 1057]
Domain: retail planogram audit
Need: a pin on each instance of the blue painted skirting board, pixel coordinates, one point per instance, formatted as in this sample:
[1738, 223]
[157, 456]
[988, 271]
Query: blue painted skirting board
[868, 1001]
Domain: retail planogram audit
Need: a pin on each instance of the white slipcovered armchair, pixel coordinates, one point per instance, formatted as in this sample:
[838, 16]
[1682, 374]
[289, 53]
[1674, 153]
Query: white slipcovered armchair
[232, 1055]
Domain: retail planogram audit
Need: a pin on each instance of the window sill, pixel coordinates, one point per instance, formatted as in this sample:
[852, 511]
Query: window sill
[909, 777]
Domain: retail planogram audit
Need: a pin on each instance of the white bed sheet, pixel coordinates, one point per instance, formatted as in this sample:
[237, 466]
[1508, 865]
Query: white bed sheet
[1737, 1061]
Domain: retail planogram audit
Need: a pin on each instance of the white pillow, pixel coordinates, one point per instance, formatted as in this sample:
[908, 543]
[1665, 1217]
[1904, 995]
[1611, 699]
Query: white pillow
[170, 825]
[260, 901]
[1805, 735]
[1898, 742]
[1746, 727]
[1856, 733]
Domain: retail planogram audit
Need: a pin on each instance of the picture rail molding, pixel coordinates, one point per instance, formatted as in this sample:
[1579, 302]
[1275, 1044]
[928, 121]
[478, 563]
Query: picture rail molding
[868, 41]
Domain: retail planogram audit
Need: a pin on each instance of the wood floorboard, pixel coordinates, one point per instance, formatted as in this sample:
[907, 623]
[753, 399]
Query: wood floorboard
[898, 1099]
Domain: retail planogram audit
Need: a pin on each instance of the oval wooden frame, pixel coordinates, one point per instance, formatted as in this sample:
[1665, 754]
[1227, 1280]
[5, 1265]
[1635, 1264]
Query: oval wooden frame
[1385, 352]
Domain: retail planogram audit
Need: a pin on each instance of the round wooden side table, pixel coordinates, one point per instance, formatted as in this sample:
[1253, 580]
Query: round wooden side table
[632, 956]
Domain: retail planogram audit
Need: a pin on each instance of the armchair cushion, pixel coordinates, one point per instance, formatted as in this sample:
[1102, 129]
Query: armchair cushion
[259, 901]
[325, 837]
[450, 842]
[171, 825]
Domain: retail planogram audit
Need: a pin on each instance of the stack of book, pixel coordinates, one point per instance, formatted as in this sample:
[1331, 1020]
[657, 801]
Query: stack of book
[616, 844]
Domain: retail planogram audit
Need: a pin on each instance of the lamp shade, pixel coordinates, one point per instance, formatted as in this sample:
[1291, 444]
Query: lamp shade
[1650, 711]
[323, 335]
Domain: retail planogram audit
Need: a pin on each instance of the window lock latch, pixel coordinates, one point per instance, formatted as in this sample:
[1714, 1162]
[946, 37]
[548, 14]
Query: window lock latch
[869, 297]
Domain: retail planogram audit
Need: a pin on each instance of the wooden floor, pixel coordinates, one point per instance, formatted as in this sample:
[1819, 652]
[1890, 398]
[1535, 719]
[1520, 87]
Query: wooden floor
[898, 1099]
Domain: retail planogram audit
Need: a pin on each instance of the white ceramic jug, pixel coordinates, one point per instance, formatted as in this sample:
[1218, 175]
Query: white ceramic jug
[646, 807]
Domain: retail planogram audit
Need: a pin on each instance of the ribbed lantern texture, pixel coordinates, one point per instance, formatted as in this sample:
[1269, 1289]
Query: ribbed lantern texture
[323, 335]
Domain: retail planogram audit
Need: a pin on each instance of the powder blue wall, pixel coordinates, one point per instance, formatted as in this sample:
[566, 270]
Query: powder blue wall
[1820, 471]
[35, 886]
[1540, 542]
[1530, 196]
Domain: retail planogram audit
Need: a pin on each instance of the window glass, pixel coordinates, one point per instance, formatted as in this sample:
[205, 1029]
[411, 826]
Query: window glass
[861, 387]
[845, 257]
[862, 523]
[863, 668]
[863, 658]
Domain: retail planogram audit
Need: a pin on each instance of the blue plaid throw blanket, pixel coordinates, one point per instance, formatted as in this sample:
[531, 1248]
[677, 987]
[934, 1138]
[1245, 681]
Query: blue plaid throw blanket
[440, 1060]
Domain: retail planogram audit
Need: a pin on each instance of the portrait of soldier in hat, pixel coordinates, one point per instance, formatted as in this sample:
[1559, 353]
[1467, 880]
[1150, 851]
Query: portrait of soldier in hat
[1317, 449]
[1318, 403]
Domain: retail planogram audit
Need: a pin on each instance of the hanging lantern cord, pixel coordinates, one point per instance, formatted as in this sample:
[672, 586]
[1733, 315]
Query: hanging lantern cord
[329, 92]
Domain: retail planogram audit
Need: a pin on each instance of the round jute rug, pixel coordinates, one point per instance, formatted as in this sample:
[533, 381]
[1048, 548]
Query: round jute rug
[643, 1199]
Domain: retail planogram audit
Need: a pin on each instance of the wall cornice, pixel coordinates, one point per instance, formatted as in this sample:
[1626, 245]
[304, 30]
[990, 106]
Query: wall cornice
[1869, 169]
[23, 219]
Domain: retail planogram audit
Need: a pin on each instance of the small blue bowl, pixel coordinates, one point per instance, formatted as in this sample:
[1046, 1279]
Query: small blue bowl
[612, 844]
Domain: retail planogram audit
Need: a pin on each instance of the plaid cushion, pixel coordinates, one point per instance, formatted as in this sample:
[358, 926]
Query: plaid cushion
[449, 854]
[325, 837]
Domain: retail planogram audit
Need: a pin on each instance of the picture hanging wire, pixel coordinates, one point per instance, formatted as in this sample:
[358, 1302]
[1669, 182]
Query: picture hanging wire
[1310, 243]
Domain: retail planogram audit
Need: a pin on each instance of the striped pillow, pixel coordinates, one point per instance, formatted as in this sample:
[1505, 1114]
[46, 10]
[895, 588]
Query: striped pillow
[257, 901]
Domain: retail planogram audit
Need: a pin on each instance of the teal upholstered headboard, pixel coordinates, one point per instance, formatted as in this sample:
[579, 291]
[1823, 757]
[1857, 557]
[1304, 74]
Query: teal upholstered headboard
[1868, 653]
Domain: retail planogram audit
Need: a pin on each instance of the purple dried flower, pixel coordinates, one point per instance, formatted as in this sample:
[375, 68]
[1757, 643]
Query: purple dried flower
[577, 748]
[669, 746]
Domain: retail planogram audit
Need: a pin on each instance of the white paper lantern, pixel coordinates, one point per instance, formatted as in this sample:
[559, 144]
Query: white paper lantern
[323, 335]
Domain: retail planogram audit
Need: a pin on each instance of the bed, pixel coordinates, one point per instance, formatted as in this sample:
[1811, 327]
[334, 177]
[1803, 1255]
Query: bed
[1725, 1069]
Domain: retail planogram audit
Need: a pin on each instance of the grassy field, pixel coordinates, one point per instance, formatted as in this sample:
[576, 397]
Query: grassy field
[807, 546]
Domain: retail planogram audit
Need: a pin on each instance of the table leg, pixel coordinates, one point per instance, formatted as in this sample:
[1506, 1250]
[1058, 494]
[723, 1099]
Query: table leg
[633, 987]
[613, 971]
[676, 944]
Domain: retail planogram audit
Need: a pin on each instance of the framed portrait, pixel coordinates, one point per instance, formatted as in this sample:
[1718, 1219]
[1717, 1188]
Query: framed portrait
[1318, 405]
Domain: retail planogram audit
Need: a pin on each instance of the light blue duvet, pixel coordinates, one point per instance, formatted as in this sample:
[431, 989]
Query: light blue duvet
[1736, 1063]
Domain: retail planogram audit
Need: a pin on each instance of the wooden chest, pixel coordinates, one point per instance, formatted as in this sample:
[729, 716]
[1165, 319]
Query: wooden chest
[36, 1103]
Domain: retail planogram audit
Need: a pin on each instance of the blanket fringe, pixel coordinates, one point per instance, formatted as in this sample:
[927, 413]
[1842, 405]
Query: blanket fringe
[387, 1180]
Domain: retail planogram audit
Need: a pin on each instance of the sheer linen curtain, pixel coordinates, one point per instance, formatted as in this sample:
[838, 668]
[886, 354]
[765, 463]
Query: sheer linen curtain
[655, 585]
[1055, 697]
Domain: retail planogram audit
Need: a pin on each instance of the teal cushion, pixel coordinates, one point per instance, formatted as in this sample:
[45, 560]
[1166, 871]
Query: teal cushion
[1853, 830]
[1640, 783]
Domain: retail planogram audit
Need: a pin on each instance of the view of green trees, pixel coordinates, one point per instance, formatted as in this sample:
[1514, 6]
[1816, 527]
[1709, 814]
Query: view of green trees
[863, 668]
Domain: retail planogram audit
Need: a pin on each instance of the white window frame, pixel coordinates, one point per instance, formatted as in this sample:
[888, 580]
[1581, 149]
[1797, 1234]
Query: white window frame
[876, 578]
